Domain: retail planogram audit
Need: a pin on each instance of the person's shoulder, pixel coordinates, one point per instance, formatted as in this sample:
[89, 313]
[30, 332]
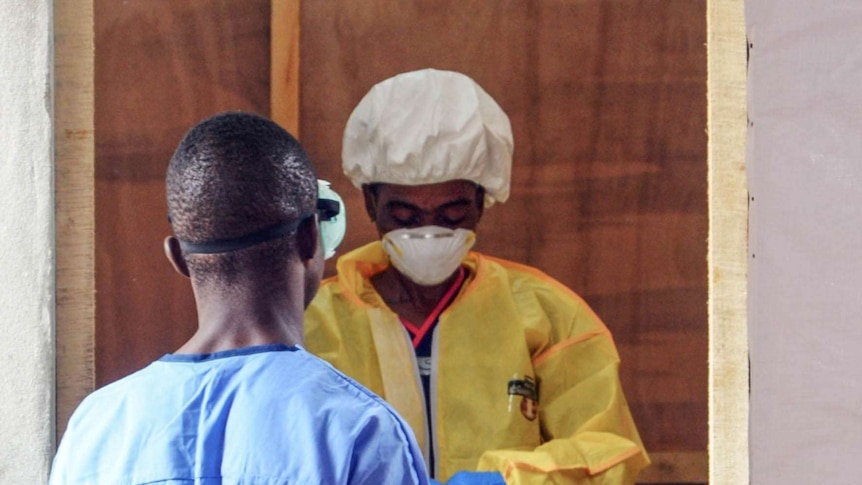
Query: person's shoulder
[310, 382]
[319, 387]
[324, 372]
[354, 268]
[353, 388]
[327, 289]
[534, 292]
[523, 277]
[135, 382]
[349, 290]
[98, 416]
[512, 266]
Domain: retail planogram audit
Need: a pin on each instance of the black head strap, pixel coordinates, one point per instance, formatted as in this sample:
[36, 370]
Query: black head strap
[242, 242]
[327, 209]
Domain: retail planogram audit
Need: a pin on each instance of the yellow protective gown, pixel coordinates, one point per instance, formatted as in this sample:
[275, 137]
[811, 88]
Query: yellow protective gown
[510, 324]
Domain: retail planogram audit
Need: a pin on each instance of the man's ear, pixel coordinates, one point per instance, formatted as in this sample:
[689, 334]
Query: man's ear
[370, 196]
[307, 238]
[175, 255]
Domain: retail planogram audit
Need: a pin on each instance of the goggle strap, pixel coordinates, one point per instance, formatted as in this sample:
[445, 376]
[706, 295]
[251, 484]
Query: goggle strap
[242, 242]
[327, 209]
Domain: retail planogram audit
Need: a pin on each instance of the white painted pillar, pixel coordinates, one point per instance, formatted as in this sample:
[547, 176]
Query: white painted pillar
[27, 265]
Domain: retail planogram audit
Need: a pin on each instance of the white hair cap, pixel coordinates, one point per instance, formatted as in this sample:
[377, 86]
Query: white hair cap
[429, 126]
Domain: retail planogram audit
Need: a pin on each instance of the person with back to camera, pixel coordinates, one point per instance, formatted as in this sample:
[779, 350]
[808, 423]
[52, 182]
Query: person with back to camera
[504, 374]
[241, 402]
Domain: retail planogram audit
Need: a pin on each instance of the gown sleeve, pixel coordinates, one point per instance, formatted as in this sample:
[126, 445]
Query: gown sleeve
[588, 431]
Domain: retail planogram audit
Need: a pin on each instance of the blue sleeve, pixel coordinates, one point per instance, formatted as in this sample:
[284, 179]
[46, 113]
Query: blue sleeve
[476, 478]
[385, 451]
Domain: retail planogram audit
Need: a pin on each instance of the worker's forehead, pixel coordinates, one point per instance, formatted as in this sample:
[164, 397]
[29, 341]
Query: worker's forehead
[427, 195]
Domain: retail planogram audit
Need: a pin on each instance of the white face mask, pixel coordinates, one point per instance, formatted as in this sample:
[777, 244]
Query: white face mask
[429, 254]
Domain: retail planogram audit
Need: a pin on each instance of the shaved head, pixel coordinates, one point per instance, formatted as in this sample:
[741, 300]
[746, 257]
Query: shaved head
[234, 175]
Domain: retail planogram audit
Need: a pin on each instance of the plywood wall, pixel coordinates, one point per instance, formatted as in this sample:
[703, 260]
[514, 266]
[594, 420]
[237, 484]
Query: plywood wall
[161, 66]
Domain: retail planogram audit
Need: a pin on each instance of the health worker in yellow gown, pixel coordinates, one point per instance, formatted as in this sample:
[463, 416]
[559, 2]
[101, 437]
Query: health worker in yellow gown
[503, 373]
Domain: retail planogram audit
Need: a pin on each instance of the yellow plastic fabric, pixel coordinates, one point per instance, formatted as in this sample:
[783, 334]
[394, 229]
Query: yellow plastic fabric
[509, 321]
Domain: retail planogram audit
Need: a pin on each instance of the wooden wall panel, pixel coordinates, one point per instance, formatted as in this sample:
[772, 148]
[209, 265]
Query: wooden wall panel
[608, 104]
[161, 66]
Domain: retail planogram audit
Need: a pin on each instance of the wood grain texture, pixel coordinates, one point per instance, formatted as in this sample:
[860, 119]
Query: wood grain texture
[608, 106]
[161, 66]
[284, 76]
[686, 467]
[75, 205]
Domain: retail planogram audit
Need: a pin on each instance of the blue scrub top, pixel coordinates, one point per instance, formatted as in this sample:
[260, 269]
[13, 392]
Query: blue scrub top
[260, 415]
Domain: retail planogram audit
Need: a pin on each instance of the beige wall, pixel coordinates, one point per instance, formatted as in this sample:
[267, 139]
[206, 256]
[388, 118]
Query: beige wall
[26, 239]
[805, 280]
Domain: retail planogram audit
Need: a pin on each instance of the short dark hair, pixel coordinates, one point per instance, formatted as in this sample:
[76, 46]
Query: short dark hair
[232, 175]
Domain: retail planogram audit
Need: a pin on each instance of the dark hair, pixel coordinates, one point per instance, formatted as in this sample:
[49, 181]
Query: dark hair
[232, 175]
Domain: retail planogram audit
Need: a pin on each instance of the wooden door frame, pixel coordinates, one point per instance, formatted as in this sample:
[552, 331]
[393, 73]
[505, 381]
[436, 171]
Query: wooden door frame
[728, 242]
[74, 161]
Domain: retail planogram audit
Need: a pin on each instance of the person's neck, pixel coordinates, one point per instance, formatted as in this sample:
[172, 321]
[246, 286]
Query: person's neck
[232, 320]
[407, 298]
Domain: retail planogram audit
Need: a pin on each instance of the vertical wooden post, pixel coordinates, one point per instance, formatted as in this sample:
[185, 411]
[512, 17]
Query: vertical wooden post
[74, 161]
[284, 76]
[728, 243]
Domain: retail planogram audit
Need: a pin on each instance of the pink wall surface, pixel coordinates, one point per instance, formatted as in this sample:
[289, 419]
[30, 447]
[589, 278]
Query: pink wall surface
[805, 270]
